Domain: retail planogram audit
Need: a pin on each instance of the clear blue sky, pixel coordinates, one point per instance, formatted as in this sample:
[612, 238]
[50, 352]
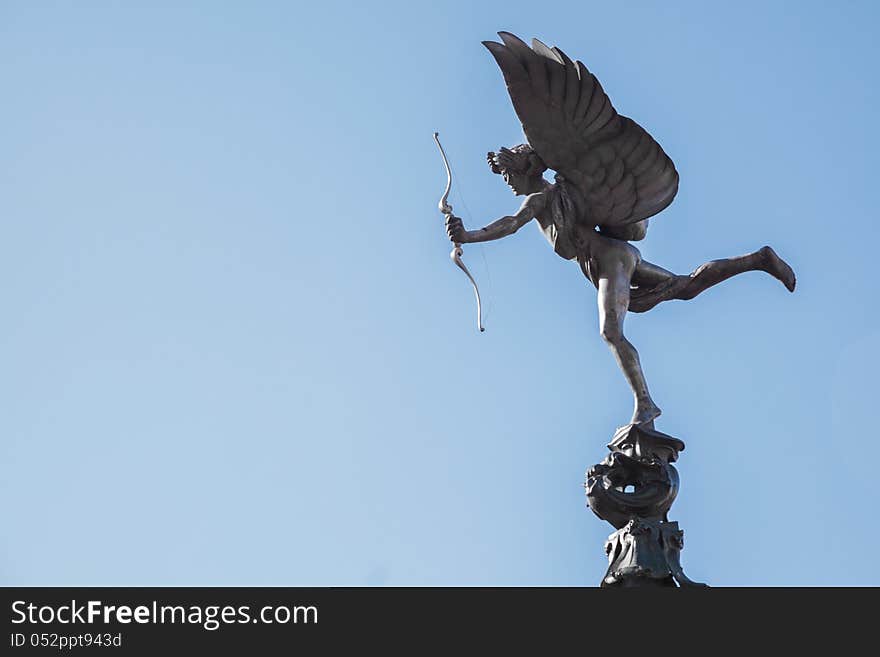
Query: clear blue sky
[234, 350]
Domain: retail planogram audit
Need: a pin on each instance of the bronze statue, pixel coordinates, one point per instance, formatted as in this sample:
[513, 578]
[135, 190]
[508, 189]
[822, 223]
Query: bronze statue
[611, 176]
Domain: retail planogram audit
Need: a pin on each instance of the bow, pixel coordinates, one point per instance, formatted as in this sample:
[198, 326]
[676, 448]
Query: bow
[456, 252]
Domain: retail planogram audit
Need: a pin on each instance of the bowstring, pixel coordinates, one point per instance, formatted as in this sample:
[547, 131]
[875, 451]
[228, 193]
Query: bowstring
[488, 287]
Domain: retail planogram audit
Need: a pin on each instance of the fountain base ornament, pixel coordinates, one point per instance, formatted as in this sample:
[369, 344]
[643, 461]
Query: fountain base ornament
[633, 488]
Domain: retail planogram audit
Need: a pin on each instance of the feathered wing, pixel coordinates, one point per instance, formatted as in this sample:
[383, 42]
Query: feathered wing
[622, 173]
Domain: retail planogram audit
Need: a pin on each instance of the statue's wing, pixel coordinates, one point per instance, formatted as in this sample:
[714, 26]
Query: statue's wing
[622, 173]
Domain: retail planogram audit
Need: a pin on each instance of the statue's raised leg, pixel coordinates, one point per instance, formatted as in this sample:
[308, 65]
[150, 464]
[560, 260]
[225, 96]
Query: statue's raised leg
[712, 273]
[654, 284]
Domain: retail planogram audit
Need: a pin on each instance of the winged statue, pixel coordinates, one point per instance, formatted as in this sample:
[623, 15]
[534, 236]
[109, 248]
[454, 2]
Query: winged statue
[611, 176]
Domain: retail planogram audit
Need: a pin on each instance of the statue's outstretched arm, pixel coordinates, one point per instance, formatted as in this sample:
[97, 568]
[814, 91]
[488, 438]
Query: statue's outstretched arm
[503, 227]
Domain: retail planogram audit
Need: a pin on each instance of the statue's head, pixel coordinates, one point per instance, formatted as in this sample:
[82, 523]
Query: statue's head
[520, 166]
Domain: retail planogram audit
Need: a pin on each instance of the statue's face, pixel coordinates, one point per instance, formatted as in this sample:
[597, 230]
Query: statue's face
[518, 182]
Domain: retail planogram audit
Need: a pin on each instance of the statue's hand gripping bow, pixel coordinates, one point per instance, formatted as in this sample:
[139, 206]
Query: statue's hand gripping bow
[456, 252]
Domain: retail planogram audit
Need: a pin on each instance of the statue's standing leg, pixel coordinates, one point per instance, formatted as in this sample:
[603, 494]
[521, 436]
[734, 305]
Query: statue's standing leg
[613, 289]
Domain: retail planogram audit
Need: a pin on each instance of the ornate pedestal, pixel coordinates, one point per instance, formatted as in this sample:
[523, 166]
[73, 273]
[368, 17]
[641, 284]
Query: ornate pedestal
[633, 488]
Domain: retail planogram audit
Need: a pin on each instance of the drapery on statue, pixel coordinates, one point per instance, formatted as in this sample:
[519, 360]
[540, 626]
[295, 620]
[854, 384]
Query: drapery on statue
[611, 176]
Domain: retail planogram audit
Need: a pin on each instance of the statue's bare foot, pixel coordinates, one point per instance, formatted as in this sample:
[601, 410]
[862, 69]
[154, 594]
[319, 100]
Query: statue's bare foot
[778, 268]
[645, 412]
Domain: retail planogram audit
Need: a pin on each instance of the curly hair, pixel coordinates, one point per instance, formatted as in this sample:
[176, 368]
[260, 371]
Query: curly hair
[520, 159]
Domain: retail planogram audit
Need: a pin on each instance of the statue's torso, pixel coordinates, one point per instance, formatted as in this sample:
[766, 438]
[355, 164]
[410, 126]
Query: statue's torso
[575, 237]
